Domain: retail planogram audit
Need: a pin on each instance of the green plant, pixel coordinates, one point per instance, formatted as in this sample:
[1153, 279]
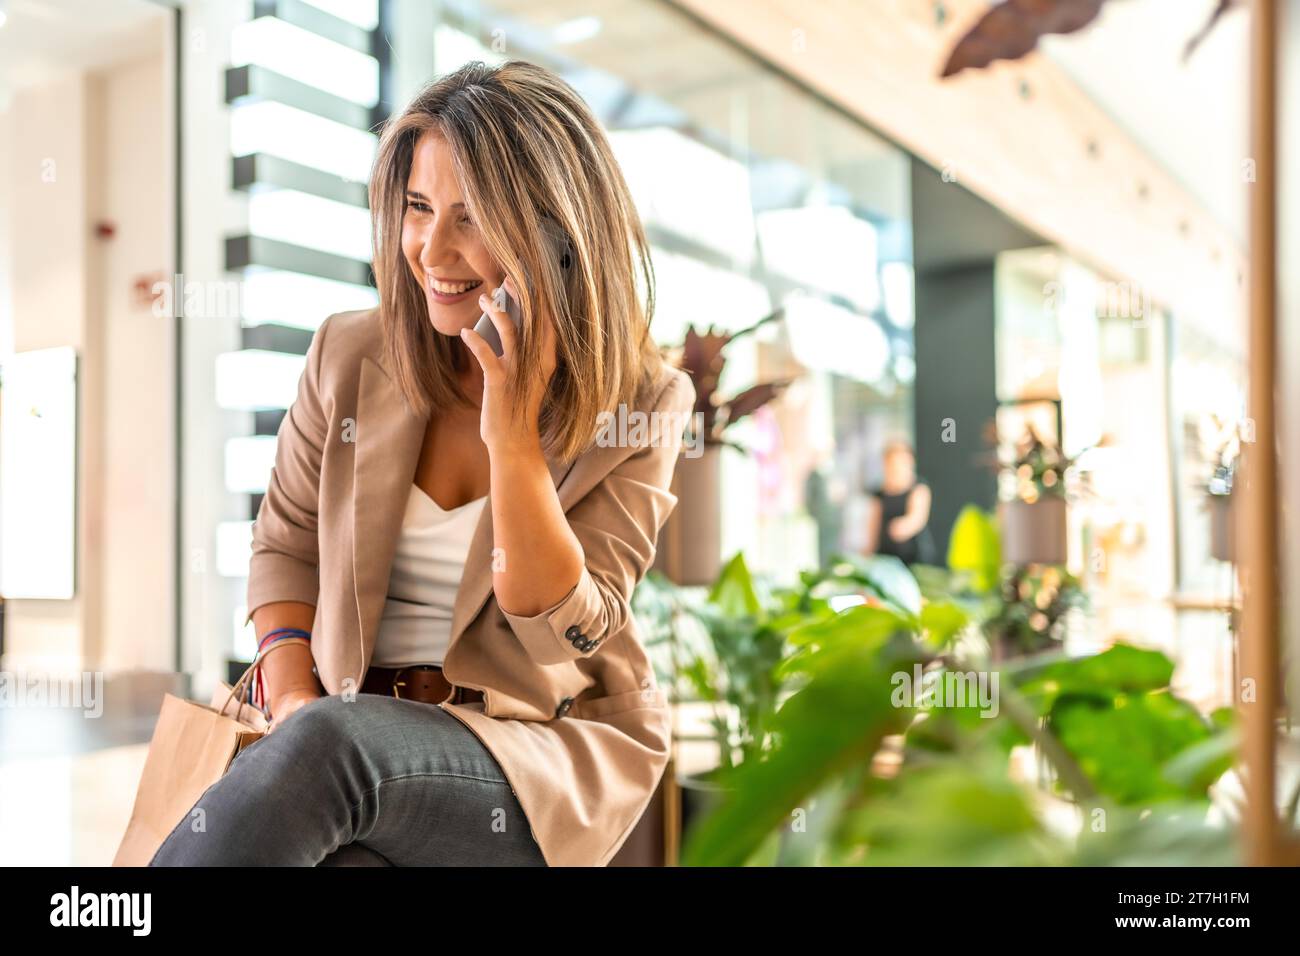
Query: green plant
[724, 648]
[1018, 610]
[1135, 740]
[1031, 615]
[872, 778]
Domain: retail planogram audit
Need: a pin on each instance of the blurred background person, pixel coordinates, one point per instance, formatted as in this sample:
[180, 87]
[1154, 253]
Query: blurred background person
[899, 514]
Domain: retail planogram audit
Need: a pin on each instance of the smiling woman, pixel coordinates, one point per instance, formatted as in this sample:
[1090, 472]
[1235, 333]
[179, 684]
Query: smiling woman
[442, 526]
[464, 178]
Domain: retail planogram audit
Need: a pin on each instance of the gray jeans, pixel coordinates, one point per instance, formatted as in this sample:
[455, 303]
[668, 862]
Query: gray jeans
[376, 781]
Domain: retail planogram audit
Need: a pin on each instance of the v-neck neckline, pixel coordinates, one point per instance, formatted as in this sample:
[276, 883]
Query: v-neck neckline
[446, 511]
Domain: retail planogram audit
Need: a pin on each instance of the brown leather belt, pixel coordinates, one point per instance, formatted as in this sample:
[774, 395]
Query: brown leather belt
[420, 682]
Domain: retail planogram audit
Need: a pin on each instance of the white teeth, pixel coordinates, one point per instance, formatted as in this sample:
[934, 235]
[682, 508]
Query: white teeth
[452, 288]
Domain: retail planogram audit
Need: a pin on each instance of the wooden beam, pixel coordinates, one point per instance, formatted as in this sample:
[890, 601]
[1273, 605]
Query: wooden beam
[1259, 511]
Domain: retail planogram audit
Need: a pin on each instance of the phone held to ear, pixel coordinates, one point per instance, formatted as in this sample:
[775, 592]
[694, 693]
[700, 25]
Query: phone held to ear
[559, 250]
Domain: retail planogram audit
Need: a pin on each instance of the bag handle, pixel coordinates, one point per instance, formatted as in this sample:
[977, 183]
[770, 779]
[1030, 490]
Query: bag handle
[252, 668]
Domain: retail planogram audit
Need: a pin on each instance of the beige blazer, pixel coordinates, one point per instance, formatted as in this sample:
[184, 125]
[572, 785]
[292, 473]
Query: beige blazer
[572, 710]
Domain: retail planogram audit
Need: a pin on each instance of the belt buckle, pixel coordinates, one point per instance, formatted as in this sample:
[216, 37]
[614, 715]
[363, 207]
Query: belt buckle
[397, 682]
[402, 670]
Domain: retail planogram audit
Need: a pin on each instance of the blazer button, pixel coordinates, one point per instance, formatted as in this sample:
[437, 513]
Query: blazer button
[564, 707]
[573, 634]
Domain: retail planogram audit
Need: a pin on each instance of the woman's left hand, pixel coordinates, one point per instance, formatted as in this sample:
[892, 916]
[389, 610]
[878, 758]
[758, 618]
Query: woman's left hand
[510, 421]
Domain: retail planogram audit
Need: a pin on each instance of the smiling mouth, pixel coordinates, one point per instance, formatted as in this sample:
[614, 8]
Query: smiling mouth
[452, 288]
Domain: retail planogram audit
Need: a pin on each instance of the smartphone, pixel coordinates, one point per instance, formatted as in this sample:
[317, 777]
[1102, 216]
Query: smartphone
[561, 253]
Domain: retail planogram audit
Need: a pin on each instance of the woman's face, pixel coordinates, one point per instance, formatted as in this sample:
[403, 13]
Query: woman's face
[900, 467]
[441, 245]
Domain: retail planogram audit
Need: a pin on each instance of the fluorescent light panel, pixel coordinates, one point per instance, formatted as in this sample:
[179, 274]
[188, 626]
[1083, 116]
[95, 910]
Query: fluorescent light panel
[234, 548]
[270, 127]
[300, 301]
[258, 379]
[310, 221]
[303, 56]
[248, 463]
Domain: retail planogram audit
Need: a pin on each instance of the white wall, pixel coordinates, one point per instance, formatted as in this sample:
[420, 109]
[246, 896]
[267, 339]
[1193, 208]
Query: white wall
[90, 148]
[49, 258]
[129, 112]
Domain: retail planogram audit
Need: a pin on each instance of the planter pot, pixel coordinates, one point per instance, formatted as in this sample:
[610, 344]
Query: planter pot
[689, 550]
[1220, 509]
[1034, 532]
[700, 794]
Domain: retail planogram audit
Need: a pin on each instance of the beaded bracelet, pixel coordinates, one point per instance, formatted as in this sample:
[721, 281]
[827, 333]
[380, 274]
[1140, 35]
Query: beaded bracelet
[268, 642]
[280, 633]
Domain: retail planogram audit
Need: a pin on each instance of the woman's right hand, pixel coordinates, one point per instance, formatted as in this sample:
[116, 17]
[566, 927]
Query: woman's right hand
[284, 705]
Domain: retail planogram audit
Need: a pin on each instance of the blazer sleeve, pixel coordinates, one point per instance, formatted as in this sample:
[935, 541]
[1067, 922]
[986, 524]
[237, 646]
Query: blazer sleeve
[284, 563]
[617, 523]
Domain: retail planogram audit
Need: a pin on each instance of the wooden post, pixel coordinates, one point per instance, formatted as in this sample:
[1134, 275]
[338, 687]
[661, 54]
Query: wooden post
[1259, 511]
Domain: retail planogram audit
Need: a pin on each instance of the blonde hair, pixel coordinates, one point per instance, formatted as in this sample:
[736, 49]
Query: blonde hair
[524, 145]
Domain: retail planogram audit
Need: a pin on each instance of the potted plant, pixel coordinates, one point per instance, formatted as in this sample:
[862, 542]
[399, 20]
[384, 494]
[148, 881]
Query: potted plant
[1032, 615]
[725, 652]
[727, 649]
[1033, 514]
[690, 545]
[1018, 609]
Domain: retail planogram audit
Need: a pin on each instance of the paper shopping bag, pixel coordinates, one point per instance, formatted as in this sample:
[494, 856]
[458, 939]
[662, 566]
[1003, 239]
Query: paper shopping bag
[191, 749]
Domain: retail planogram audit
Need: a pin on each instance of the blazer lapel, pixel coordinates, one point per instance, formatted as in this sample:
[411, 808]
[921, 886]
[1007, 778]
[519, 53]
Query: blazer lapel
[388, 438]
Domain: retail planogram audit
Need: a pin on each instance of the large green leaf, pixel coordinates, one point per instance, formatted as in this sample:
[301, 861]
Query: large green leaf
[954, 813]
[819, 644]
[1118, 670]
[975, 548]
[1123, 744]
[953, 729]
[733, 593]
[884, 574]
[834, 723]
[1195, 768]
[942, 621]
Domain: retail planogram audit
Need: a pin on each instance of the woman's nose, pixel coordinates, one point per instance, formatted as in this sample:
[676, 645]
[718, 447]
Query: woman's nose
[436, 250]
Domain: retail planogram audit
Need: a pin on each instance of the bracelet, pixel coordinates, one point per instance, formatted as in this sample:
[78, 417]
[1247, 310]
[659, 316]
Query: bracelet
[257, 686]
[280, 633]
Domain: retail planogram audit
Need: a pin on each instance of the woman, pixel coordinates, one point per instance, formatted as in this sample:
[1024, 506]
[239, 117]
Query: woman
[441, 533]
[900, 512]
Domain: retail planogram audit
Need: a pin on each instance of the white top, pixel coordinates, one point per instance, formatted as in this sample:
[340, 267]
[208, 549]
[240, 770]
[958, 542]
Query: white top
[427, 568]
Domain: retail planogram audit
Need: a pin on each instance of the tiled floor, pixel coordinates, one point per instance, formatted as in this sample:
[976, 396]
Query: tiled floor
[68, 776]
[67, 810]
